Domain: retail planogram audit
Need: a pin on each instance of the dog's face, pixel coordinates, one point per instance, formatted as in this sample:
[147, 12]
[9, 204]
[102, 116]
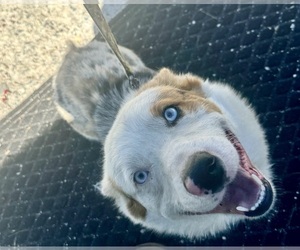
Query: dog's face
[173, 162]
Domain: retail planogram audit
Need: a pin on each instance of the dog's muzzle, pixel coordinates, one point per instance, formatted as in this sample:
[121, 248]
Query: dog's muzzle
[205, 174]
[249, 193]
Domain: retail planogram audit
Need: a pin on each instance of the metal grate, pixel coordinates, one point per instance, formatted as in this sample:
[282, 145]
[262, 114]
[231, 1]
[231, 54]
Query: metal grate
[48, 171]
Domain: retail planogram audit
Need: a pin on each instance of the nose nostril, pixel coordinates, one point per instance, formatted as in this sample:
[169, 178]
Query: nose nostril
[207, 172]
[211, 162]
[211, 168]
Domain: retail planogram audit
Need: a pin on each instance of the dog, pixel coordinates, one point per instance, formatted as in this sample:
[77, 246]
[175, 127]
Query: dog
[182, 155]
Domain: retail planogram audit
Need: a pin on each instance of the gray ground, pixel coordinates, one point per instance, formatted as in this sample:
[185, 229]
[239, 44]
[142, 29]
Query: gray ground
[35, 39]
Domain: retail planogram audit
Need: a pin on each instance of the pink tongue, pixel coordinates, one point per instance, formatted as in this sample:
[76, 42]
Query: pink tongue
[243, 191]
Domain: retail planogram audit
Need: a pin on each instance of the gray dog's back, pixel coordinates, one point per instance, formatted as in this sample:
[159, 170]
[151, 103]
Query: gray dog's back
[91, 85]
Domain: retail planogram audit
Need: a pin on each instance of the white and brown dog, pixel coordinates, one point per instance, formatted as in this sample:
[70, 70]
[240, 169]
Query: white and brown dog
[182, 155]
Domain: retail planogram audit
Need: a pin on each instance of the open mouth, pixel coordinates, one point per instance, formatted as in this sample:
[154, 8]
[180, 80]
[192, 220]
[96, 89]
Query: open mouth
[249, 194]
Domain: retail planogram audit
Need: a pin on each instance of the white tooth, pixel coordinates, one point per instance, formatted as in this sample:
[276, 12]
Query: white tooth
[257, 180]
[254, 207]
[262, 195]
[260, 199]
[242, 209]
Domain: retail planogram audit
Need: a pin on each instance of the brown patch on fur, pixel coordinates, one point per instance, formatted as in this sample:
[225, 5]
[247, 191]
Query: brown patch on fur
[135, 208]
[183, 91]
[187, 101]
[166, 77]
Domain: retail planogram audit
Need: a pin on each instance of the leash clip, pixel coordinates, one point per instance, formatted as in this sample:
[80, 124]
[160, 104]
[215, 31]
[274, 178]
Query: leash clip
[134, 83]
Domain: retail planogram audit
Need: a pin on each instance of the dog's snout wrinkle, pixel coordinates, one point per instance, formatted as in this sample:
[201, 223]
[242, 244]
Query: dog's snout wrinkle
[205, 174]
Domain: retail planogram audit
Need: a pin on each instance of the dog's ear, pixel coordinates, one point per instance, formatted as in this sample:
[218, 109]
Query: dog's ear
[136, 209]
[127, 204]
[106, 188]
[187, 82]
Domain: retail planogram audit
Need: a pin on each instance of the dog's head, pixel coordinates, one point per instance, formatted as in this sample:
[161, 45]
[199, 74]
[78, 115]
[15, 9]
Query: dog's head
[174, 163]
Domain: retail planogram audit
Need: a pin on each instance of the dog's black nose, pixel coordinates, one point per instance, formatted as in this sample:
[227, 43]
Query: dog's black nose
[207, 172]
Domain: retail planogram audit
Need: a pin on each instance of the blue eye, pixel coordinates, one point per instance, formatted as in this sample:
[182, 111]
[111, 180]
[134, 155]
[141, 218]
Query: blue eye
[141, 176]
[171, 114]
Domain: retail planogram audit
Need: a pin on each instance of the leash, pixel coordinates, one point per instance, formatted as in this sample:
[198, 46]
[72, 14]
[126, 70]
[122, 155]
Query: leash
[97, 16]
